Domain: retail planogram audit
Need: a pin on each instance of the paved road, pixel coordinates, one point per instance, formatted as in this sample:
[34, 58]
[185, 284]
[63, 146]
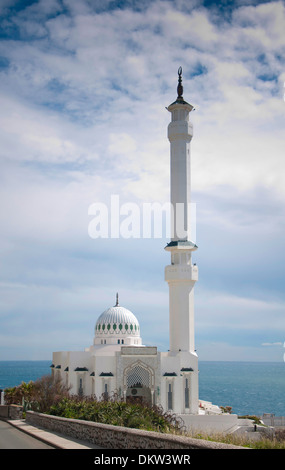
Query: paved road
[12, 438]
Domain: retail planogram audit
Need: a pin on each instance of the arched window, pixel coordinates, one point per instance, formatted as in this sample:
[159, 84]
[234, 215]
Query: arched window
[169, 397]
[80, 387]
[106, 391]
[186, 391]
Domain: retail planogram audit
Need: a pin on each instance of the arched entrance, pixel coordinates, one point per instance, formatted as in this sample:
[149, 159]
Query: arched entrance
[139, 383]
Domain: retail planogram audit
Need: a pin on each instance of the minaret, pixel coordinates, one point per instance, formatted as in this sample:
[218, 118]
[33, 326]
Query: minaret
[181, 275]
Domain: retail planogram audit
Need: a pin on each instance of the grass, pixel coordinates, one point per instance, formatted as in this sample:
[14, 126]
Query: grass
[277, 442]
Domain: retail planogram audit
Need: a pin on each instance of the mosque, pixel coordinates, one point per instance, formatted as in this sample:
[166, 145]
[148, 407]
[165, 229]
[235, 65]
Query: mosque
[117, 361]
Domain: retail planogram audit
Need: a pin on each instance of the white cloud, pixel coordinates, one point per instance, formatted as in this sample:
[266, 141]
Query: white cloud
[238, 312]
[32, 134]
[112, 55]
[264, 22]
[121, 144]
[195, 28]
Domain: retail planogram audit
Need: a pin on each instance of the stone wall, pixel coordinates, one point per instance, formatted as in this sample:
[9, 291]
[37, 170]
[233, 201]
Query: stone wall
[116, 437]
[11, 411]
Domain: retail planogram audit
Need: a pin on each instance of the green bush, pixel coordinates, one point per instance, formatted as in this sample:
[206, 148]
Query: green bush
[255, 419]
[118, 413]
[18, 395]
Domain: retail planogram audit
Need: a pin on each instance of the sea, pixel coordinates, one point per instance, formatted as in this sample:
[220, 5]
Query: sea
[250, 388]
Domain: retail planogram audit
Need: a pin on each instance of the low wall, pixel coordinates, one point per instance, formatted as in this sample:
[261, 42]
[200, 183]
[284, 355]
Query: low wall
[221, 423]
[11, 411]
[4, 411]
[272, 420]
[117, 437]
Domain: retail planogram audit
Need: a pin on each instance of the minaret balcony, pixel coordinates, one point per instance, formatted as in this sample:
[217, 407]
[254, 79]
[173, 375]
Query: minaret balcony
[181, 245]
[180, 130]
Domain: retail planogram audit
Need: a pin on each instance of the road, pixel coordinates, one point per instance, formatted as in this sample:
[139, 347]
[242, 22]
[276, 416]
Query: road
[12, 438]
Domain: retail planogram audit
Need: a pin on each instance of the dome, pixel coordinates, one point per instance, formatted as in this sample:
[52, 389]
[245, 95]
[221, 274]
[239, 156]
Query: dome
[119, 324]
[117, 320]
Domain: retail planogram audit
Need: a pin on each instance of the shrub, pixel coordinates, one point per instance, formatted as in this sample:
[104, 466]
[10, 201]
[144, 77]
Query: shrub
[48, 391]
[226, 409]
[18, 395]
[37, 396]
[255, 419]
[118, 413]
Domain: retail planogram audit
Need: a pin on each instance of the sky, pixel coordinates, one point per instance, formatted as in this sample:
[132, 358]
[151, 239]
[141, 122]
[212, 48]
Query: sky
[84, 88]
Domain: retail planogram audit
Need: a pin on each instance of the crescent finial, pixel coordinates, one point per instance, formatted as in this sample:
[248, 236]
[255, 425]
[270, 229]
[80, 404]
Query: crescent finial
[180, 87]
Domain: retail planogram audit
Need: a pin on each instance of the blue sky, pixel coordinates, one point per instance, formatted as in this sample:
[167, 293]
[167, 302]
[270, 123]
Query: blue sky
[84, 86]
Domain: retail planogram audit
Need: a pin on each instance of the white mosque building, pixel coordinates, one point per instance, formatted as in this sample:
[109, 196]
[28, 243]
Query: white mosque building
[117, 361]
